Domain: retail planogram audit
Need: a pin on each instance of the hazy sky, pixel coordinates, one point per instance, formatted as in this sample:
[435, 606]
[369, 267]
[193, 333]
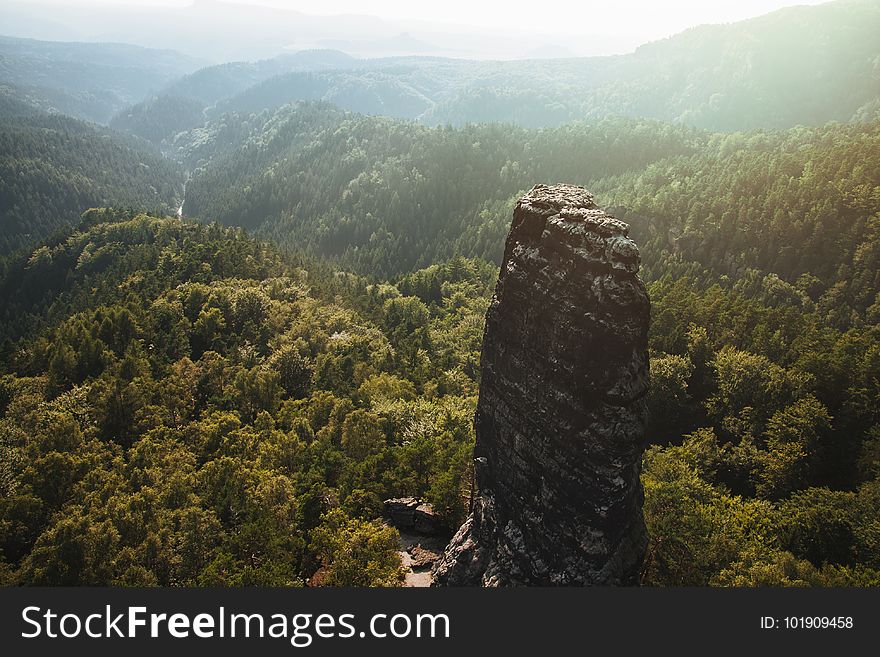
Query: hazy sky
[645, 18]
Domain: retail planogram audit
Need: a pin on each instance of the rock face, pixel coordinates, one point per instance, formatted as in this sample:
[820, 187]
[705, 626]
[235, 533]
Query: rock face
[561, 414]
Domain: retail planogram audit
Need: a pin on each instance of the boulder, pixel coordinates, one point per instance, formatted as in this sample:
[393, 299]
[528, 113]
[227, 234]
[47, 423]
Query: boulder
[412, 515]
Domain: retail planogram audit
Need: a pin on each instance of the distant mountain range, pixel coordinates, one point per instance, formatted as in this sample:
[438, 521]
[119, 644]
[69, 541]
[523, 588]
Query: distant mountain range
[87, 80]
[801, 65]
[260, 32]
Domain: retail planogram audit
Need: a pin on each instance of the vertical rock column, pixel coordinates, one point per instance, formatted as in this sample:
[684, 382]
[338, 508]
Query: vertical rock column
[560, 421]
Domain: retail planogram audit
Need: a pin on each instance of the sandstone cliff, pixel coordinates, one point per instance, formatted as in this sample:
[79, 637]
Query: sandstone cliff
[561, 415]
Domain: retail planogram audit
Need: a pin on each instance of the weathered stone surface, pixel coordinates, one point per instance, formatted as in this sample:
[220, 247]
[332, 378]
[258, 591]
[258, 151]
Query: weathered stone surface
[561, 415]
[411, 514]
[422, 558]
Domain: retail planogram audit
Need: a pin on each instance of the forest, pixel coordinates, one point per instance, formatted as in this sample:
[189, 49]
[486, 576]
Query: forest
[52, 167]
[373, 194]
[186, 407]
[163, 375]
[250, 307]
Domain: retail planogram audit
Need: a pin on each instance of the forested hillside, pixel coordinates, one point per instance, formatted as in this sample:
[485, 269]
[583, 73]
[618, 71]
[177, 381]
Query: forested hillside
[182, 104]
[769, 415]
[801, 65]
[90, 81]
[801, 205]
[227, 398]
[185, 408]
[388, 196]
[159, 118]
[53, 168]
[214, 83]
[182, 405]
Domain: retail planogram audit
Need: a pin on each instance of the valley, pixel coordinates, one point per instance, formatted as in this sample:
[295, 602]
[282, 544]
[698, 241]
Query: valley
[243, 302]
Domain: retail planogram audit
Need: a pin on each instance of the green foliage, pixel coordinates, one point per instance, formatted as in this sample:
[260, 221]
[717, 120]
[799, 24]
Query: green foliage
[769, 568]
[794, 445]
[788, 217]
[356, 552]
[749, 387]
[161, 118]
[182, 406]
[695, 528]
[668, 394]
[377, 194]
[53, 168]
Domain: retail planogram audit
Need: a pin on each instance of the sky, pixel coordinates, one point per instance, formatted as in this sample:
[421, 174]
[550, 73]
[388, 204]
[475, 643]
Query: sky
[469, 29]
[647, 19]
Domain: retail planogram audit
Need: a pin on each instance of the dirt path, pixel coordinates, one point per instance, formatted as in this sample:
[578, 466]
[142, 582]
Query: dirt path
[418, 576]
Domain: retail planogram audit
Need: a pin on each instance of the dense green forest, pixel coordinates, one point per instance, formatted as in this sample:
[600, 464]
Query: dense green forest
[383, 196]
[53, 167]
[160, 375]
[183, 405]
[228, 397]
[796, 213]
[157, 119]
[386, 196]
